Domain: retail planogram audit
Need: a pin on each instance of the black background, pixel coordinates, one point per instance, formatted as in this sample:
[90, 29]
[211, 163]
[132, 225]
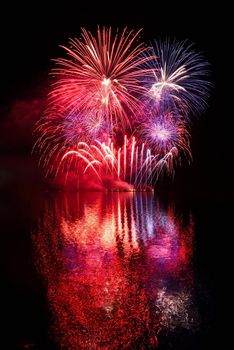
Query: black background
[30, 36]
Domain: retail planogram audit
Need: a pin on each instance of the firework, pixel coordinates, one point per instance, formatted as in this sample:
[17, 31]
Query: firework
[119, 110]
[101, 76]
[167, 137]
[179, 77]
[105, 161]
[169, 141]
[165, 131]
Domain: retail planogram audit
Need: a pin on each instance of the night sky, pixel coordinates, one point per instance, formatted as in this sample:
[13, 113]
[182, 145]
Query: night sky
[30, 38]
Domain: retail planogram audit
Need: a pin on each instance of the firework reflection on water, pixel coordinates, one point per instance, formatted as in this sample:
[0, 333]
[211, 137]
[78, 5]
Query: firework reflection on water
[118, 269]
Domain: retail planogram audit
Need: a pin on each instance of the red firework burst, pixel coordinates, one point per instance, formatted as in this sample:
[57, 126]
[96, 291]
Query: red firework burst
[102, 75]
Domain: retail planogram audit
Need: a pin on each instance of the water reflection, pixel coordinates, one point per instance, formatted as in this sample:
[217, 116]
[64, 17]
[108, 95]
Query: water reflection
[118, 269]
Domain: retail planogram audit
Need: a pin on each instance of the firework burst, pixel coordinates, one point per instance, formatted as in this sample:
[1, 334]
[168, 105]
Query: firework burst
[102, 75]
[162, 132]
[120, 110]
[179, 77]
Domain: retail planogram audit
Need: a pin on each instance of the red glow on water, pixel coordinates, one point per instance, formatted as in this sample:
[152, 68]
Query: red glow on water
[108, 259]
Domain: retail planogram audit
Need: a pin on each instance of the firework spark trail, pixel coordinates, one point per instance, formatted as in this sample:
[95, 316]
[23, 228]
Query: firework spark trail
[136, 163]
[180, 77]
[100, 158]
[103, 159]
[125, 155]
[163, 132]
[132, 157]
[102, 75]
[142, 154]
[120, 109]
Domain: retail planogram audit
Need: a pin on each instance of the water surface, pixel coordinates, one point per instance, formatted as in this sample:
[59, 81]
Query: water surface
[118, 271]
